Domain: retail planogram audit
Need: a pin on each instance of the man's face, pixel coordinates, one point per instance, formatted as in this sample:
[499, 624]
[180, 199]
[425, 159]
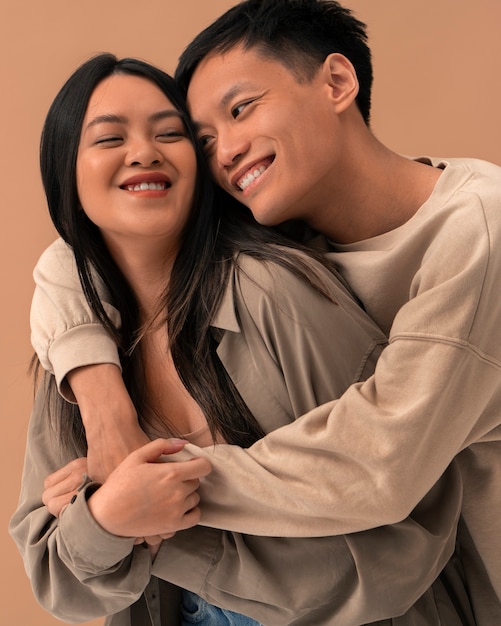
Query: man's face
[270, 140]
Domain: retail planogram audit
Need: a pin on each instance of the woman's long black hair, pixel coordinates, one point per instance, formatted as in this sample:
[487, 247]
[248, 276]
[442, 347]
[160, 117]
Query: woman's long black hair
[219, 228]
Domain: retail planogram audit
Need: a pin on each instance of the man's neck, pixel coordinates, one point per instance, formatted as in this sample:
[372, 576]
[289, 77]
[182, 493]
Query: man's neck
[384, 191]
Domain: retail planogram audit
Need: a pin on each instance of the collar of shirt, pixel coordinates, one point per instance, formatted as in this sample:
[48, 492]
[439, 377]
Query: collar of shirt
[226, 318]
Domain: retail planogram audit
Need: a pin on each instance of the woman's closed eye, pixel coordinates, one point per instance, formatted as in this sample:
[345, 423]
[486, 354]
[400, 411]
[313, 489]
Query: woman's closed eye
[171, 135]
[109, 140]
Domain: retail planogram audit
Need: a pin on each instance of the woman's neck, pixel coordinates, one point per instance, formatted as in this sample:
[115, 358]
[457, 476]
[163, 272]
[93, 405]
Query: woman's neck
[147, 268]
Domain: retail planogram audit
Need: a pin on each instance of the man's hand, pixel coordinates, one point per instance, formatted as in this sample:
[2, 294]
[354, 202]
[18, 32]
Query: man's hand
[109, 417]
[106, 450]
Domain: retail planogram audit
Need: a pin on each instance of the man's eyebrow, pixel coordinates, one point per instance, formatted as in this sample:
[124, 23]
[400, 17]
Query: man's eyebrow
[227, 97]
[233, 91]
[112, 118]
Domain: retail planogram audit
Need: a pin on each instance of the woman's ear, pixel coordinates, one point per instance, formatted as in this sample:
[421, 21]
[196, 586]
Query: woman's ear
[341, 81]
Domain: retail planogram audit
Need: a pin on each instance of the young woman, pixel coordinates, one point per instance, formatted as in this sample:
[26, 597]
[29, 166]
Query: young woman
[210, 314]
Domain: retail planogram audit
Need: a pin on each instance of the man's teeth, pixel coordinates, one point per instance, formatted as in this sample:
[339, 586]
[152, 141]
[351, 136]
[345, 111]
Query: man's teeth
[251, 177]
[147, 186]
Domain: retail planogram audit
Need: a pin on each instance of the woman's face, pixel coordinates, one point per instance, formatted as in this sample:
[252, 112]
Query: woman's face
[136, 167]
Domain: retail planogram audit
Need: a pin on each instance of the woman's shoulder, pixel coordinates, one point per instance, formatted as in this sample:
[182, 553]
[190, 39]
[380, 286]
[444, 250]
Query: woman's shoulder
[56, 266]
[269, 291]
[57, 254]
[290, 285]
[298, 270]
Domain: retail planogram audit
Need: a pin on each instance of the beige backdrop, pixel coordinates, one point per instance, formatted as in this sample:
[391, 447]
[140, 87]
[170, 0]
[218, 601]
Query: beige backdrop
[437, 91]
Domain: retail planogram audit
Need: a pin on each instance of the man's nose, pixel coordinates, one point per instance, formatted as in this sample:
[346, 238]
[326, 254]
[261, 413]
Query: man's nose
[231, 145]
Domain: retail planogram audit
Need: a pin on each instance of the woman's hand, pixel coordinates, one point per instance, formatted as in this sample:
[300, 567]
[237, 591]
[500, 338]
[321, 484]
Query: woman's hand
[62, 485]
[144, 497]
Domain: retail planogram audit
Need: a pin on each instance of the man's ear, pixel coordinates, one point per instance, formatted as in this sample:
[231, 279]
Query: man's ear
[340, 80]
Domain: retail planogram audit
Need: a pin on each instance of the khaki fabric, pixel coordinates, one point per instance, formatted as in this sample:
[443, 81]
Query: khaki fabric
[78, 571]
[433, 286]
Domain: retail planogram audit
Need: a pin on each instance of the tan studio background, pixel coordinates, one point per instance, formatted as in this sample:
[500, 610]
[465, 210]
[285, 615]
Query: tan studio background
[437, 91]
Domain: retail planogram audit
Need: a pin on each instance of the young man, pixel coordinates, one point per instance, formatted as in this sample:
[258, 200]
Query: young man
[281, 93]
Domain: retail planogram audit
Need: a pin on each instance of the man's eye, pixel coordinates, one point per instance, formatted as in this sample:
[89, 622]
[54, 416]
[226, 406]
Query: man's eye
[236, 110]
[205, 140]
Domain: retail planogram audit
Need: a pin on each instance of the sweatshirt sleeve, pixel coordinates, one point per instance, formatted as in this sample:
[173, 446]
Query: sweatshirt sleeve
[347, 580]
[349, 577]
[366, 458]
[77, 570]
[344, 579]
[65, 333]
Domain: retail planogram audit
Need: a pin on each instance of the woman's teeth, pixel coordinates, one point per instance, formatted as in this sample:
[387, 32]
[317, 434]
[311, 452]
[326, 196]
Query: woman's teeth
[146, 186]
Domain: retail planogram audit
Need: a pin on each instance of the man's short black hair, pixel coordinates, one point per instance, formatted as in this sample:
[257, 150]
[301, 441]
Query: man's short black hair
[300, 34]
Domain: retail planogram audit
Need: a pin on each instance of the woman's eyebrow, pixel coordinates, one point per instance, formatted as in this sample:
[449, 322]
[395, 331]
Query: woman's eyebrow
[107, 118]
[112, 118]
[161, 115]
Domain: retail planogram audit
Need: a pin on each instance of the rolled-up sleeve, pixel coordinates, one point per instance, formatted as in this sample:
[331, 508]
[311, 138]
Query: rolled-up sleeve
[61, 318]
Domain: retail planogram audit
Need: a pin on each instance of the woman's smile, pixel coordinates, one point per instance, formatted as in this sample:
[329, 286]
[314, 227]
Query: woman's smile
[153, 182]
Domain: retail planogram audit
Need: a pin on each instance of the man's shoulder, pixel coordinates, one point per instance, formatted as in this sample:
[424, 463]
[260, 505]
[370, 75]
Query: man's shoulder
[473, 170]
[471, 164]
[469, 190]
[482, 185]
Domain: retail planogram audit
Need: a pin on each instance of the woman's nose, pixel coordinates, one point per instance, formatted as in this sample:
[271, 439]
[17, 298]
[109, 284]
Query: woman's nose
[143, 153]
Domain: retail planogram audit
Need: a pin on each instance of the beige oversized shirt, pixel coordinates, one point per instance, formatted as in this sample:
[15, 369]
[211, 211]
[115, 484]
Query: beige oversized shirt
[433, 285]
[287, 349]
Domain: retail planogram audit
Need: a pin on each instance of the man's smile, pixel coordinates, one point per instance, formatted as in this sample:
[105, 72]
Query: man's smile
[243, 180]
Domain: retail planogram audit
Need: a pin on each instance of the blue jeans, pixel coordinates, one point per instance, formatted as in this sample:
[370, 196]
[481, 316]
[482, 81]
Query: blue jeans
[195, 610]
